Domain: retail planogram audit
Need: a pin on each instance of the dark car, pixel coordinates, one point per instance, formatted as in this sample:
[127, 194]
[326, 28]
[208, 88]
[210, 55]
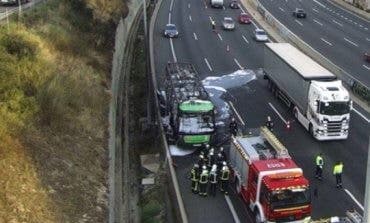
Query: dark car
[244, 18]
[299, 13]
[234, 5]
[171, 31]
[12, 2]
[367, 57]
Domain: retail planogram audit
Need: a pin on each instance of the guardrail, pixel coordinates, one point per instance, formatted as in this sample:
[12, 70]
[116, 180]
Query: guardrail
[351, 82]
[13, 10]
[174, 186]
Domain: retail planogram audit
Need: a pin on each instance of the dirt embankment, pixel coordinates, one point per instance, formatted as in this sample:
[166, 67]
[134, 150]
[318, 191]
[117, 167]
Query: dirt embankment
[54, 69]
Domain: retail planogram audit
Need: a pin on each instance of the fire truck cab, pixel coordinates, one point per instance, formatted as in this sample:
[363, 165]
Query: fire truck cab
[268, 180]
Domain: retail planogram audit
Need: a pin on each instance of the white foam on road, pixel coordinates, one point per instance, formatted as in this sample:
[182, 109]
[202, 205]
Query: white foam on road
[177, 151]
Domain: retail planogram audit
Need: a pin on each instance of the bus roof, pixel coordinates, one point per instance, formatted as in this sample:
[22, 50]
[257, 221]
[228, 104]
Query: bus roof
[196, 106]
[300, 62]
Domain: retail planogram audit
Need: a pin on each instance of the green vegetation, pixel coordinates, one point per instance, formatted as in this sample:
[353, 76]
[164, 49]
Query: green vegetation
[54, 65]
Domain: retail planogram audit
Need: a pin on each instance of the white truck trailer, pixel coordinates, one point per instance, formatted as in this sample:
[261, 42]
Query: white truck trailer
[317, 98]
[217, 3]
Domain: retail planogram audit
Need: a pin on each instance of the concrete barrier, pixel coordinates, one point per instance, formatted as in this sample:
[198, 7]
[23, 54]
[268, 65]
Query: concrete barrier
[178, 204]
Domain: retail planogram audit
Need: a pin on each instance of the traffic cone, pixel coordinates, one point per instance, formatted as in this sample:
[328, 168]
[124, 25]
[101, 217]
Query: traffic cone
[288, 125]
[227, 48]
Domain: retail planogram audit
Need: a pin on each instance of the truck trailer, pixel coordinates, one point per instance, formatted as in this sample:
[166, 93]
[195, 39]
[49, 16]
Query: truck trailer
[317, 98]
[268, 180]
[217, 3]
[191, 113]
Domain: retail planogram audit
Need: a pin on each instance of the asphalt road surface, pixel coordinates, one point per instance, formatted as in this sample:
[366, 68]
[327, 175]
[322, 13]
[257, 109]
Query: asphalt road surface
[214, 53]
[336, 33]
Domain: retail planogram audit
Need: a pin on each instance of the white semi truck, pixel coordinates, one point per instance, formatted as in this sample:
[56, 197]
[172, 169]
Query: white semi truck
[317, 98]
[217, 3]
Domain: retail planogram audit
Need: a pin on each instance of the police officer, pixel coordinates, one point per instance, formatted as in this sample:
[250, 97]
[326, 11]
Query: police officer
[337, 171]
[203, 182]
[213, 180]
[225, 174]
[319, 165]
[269, 123]
[194, 176]
[233, 127]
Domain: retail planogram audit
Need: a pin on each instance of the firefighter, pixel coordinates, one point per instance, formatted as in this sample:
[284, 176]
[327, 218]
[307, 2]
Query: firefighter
[223, 153]
[233, 127]
[337, 171]
[213, 24]
[225, 174]
[213, 180]
[203, 182]
[211, 158]
[195, 178]
[219, 162]
[201, 160]
[206, 149]
[319, 166]
[269, 123]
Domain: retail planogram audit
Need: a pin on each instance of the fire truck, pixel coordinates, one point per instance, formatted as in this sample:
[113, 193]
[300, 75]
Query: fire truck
[267, 178]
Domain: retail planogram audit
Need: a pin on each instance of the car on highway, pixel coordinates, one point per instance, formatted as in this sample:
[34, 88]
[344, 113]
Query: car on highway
[171, 31]
[244, 18]
[299, 13]
[234, 4]
[367, 57]
[260, 35]
[228, 23]
[12, 2]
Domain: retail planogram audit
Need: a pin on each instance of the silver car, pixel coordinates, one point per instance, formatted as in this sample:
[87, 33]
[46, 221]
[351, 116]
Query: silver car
[260, 35]
[228, 23]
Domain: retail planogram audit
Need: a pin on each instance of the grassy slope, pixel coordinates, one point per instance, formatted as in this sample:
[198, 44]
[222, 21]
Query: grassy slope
[53, 112]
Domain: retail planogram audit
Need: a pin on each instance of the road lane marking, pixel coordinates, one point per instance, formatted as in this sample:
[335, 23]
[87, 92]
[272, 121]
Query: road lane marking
[241, 8]
[281, 9]
[319, 4]
[277, 112]
[327, 42]
[189, 6]
[169, 17]
[245, 39]
[315, 10]
[355, 23]
[219, 36]
[367, 39]
[232, 209]
[190, 18]
[171, 5]
[354, 199]
[366, 67]
[237, 113]
[210, 18]
[345, 18]
[361, 115]
[223, 7]
[350, 20]
[366, 28]
[208, 65]
[355, 44]
[173, 51]
[298, 22]
[237, 63]
[317, 22]
[195, 36]
[338, 23]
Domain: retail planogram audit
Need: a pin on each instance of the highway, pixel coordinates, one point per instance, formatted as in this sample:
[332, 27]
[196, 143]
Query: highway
[214, 54]
[336, 33]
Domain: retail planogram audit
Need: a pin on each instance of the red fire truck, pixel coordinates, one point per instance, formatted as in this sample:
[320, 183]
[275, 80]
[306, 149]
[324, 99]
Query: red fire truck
[268, 180]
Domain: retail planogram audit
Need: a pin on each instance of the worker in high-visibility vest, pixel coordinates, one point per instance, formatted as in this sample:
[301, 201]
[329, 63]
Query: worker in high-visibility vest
[319, 166]
[194, 176]
[213, 180]
[337, 171]
[225, 174]
[203, 182]
[213, 23]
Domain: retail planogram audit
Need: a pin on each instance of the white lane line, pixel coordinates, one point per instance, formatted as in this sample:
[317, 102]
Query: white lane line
[190, 18]
[366, 28]
[189, 6]
[223, 7]
[237, 63]
[232, 209]
[327, 42]
[219, 36]
[355, 44]
[315, 10]
[355, 23]
[354, 199]
[171, 5]
[319, 4]
[195, 36]
[338, 23]
[241, 8]
[298, 22]
[173, 51]
[209, 66]
[169, 17]
[361, 115]
[350, 20]
[254, 24]
[277, 112]
[237, 113]
[366, 67]
[210, 18]
[281, 9]
[345, 18]
[367, 39]
[245, 39]
[317, 22]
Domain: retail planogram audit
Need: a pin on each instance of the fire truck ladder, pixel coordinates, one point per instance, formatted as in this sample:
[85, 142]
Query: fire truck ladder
[280, 149]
